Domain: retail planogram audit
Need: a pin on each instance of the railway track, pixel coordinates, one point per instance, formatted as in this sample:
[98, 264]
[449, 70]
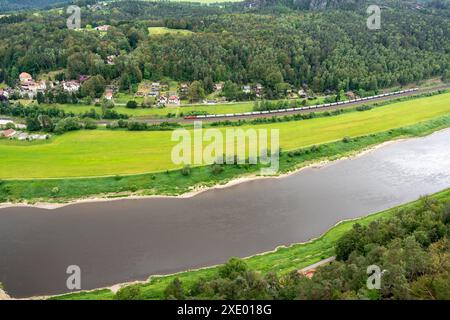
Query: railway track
[292, 111]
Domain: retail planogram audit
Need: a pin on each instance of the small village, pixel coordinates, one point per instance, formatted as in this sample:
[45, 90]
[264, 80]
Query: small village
[160, 94]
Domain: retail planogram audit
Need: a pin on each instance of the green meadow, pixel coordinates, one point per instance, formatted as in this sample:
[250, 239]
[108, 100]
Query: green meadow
[105, 152]
[158, 31]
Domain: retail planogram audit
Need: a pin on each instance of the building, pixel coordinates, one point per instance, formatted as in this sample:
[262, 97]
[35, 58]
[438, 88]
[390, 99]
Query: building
[184, 88]
[218, 86]
[246, 89]
[25, 78]
[109, 95]
[302, 94]
[8, 133]
[174, 100]
[71, 86]
[163, 99]
[259, 90]
[102, 28]
[156, 86]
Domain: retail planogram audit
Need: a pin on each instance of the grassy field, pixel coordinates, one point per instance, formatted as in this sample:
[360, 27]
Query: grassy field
[105, 152]
[222, 108]
[158, 31]
[281, 261]
[121, 99]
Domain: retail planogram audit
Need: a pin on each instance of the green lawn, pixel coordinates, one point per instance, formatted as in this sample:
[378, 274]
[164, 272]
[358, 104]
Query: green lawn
[105, 152]
[281, 261]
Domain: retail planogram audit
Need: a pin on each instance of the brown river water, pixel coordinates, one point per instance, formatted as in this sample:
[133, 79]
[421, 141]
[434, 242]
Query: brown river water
[125, 240]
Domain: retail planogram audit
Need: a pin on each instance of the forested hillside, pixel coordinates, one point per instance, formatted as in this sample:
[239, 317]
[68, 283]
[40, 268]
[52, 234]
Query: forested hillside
[10, 5]
[270, 43]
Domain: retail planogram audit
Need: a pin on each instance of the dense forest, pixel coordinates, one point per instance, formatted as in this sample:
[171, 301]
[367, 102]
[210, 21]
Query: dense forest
[275, 43]
[412, 249]
[11, 5]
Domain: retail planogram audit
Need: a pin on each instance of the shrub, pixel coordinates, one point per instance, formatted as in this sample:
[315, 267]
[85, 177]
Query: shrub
[132, 104]
[90, 124]
[346, 139]
[129, 293]
[174, 290]
[216, 169]
[186, 171]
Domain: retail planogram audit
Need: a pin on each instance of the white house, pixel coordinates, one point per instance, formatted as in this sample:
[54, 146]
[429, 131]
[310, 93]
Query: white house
[175, 100]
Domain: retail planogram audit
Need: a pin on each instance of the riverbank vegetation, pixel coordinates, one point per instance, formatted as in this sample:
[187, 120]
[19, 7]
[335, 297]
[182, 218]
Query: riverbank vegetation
[410, 242]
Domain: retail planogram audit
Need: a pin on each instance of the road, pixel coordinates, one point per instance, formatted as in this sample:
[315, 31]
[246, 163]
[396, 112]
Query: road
[284, 113]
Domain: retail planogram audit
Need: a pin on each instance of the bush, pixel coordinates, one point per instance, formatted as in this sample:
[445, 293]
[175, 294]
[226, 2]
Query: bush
[186, 171]
[216, 169]
[174, 290]
[132, 104]
[90, 124]
[346, 139]
[129, 293]
[67, 124]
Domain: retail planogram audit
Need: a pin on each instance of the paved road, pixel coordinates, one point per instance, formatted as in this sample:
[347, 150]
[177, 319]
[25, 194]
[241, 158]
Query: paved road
[284, 113]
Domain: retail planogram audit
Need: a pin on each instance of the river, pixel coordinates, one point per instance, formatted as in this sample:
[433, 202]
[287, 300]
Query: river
[124, 240]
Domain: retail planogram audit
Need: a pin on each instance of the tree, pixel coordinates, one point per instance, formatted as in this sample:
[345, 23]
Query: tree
[230, 90]
[233, 268]
[196, 91]
[93, 87]
[132, 104]
[40, 97]
[33, 124]
[132, 292]
[174, 291]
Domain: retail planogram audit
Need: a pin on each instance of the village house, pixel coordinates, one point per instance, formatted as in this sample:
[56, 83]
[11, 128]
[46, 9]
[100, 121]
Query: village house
[71, 86]
[174, 100]
[8, 133]
[259, 90]
[218, 86]
[109, 95]
[102, 28]
[184, 88]
[163, 100]
[246, 89]
[155, 86]
[302, 94]
[25, 78]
